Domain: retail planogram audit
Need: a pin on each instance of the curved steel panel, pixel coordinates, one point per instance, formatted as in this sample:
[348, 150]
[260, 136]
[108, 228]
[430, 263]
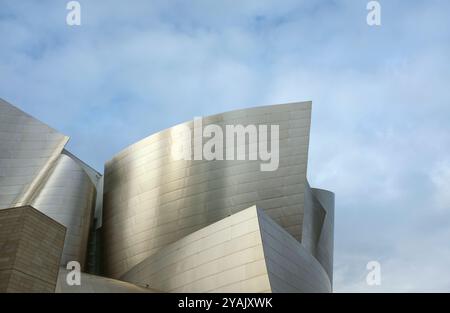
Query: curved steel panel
[28, 148]
[68, 196]
[226, 256]
[35, 170]
[245, 252]
[325, 247]
[291, 267]
[318, 227]
[151, 200]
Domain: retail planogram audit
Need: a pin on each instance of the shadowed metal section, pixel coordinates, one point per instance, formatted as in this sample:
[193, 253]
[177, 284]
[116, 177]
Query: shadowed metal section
[28, 149]
[93, 248]
[318, 229]
[291, 267]
[68, 196]
[325, 247]
[31, 244]
[245, 252]
[151, 200]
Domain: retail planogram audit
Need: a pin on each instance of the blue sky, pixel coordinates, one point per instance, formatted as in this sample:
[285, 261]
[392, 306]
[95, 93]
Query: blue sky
[380, 135]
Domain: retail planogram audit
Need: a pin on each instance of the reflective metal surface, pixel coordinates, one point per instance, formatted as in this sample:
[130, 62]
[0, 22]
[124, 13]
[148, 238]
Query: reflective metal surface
[36, 170]
[245, 252]
[68, 196]
[28, 148]
[194, 226]
[152, 200]
[291, 267]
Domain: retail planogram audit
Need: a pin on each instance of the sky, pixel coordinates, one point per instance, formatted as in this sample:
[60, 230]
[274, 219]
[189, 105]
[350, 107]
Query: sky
[380, 136]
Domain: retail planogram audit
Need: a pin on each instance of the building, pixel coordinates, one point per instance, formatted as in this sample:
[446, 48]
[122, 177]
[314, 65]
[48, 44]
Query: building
[155, 223]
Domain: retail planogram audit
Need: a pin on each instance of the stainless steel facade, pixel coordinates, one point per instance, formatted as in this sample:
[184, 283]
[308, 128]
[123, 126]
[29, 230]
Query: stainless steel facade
[179, 225]
[291, 266]
[28, 148]
[36, 170]
[151, 200]
[29, 238]
[68, 196]
[225, 256]
[245, 252]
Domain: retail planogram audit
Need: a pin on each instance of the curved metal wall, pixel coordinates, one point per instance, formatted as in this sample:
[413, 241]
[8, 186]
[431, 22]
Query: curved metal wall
[68, 196]
[151, 200]
[28, 148]
[291, 267]
[36, 170]
[154, 204]
[226, 256]
[245, 252]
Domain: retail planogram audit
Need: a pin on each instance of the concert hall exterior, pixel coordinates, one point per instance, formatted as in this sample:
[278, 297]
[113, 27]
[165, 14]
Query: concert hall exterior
[153, 223]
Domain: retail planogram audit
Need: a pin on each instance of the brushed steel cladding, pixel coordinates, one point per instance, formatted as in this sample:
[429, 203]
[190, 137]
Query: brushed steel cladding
[151, 200]
[31, 244]
[226, 256]
[28, 148]
[36, 170]
[93, 283]
[68, 196]
[245, 252]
